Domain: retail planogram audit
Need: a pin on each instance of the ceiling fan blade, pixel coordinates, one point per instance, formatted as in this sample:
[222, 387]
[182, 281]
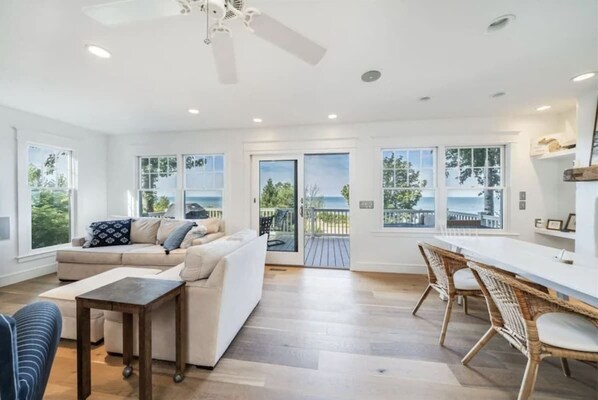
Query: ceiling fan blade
[224, 55]
[129, 11]
[287, 39]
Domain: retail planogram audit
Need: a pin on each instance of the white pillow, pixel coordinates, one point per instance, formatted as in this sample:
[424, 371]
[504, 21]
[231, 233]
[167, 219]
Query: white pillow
[195, 233]
[200, 261]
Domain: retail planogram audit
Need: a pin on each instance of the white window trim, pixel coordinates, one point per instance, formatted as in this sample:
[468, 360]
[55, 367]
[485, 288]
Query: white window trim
[176, 190]
[191, 189]
[24, 140]
[441, 190]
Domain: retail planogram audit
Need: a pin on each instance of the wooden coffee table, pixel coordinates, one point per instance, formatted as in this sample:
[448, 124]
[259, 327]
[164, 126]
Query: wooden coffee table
[130, 296]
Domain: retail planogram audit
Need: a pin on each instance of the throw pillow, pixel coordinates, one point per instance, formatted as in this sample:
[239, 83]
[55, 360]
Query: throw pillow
[110, 233]
[167, 226]
[175, 239]
[212, 224]
[145, 230]
[195, 233]
[200, 261]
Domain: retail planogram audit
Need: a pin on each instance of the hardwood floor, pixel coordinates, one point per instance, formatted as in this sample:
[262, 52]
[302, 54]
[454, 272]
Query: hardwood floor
[331, 334]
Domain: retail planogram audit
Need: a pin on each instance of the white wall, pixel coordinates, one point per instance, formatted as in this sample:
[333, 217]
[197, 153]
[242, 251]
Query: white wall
[371, 247]
[586, 237]
[91, 196]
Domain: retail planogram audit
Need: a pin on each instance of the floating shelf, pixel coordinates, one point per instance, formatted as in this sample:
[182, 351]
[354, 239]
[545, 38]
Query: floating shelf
[555, 155]
[560, 234]
[584, 174]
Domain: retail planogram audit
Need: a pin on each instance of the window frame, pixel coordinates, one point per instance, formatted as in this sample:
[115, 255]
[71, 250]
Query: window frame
[434, 188]
[185, 188]
[175, 190]
[441, 190]
[25, 140]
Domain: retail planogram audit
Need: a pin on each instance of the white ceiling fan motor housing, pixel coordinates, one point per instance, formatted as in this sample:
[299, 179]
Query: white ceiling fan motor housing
[216, 8]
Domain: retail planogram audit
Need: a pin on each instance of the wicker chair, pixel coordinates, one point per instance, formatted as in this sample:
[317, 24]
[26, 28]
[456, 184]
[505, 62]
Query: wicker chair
[537, 324]
[448, 275]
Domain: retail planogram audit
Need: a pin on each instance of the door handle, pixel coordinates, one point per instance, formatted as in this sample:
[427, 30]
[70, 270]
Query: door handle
[301, 211]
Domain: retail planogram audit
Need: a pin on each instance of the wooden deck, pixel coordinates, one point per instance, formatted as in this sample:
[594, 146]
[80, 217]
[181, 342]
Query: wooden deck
[323, 251]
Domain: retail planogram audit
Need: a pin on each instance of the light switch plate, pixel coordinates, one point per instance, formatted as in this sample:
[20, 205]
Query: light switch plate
[522, 196]
[522, 205]
[4, 228]
[366, 204]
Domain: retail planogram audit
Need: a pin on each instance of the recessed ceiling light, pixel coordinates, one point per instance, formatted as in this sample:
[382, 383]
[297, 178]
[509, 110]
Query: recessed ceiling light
[500, 23]
[498, 94]
[371, 76]
[543, 108]
[193, 111]
[583, 77]
[98, 51]
[332, 116]
[257, 120]
[425, 98]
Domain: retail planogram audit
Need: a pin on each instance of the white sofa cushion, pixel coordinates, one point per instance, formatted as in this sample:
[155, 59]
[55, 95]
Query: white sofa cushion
[96, 255]
[200, 261]
[145, 230]
[568, 331]
[154, 256]
[465, 280]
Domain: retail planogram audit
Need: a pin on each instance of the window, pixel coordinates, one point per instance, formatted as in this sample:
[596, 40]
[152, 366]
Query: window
[408, 185]
[474, 182]
[204, 186]
[49, 177]
[157, 186]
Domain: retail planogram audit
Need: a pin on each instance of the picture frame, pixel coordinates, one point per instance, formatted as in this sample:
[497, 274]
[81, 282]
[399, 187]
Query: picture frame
[554, 224]
[594, 148]
[571, 223]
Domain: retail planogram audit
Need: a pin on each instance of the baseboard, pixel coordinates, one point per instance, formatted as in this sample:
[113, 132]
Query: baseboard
[31, 273]
[389, 267]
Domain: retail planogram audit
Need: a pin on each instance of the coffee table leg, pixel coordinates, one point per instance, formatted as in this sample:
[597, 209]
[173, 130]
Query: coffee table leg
[83, 352]
[145, 355]
[127, 344]
[180, 325]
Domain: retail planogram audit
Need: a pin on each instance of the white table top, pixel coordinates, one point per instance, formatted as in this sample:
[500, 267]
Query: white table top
[534, 262]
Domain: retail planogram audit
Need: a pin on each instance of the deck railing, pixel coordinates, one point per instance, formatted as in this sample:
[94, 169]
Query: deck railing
[317, 221]
[423, 218]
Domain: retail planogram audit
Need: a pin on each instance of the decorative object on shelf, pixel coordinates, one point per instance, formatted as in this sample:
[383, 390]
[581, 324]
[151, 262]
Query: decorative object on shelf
[571, 223]
[551, 144]
[554, 224]
[539, 223]
[594, 152]
[561, 258]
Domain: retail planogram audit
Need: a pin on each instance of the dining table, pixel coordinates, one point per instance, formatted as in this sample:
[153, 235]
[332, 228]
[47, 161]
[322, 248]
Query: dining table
[532, 261]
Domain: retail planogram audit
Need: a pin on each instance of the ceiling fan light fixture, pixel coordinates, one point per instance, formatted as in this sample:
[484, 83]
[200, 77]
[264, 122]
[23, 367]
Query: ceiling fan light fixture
[583, 77]
[98, 51]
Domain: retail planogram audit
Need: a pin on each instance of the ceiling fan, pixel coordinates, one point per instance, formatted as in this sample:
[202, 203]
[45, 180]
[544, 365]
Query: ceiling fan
[218, 34]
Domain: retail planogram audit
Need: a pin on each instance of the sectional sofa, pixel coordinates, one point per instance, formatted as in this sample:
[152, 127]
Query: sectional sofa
[147, 234]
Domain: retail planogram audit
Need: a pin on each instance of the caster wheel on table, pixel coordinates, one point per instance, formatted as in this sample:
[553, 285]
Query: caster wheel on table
[178, 377]
[127, 371]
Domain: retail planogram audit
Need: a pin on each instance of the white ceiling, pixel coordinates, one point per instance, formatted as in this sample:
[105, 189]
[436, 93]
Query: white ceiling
[434, 48]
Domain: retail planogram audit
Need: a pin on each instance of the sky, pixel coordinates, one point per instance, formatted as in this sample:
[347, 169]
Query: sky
[329, 171]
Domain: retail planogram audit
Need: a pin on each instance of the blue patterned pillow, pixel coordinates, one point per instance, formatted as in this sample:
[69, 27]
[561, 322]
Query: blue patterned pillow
[110, 233]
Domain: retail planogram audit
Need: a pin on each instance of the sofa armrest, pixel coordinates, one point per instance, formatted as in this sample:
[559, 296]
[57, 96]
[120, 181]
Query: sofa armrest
[78, 242]
[9, 383]
[210, 237]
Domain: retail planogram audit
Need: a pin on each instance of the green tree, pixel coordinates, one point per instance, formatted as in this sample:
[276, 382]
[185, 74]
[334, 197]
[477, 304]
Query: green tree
[50, 218]
[483, 165]
[399, 173]
[345, 193]
[162, 204]
[277, 195]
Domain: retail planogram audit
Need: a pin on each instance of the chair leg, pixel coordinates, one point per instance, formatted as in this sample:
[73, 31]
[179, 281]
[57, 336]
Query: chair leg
[447, 317]
[565, 367]
[421, 299]
[529, 379]
[478, 346]
[465, 305]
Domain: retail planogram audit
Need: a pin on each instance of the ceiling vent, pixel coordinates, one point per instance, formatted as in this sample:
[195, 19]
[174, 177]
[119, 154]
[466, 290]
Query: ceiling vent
[500, 23]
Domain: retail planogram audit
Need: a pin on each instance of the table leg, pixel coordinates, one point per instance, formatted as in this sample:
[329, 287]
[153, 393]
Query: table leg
[83, 352]
[127, 344]
[145, 355]
[180, 325]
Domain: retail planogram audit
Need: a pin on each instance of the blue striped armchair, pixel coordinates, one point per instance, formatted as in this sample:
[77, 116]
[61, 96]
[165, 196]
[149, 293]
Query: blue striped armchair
[28, 342]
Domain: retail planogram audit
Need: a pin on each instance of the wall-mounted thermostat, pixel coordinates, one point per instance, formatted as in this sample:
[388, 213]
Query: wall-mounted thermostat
[366, 204]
